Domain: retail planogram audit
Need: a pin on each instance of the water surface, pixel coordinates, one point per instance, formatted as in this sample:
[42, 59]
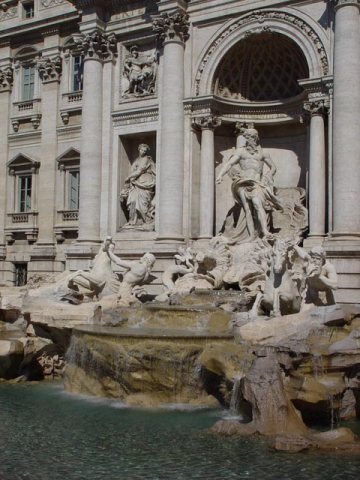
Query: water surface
[47, 434]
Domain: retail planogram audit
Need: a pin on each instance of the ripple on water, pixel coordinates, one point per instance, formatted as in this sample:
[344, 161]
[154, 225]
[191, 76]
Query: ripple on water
[46, 434]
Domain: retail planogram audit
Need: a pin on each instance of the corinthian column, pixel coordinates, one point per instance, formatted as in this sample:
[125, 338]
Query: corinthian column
[317, 169]
[207, 174]
[346, 124]
[95, 47]
[172, 30]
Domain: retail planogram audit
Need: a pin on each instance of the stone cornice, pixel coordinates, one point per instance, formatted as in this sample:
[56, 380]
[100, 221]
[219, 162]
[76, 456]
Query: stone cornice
[172, 26]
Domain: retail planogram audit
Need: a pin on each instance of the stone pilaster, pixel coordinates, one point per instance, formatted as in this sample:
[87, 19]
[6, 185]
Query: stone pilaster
[346, 124]
[317, 108]
[49, 69]
[6, 82]
[172, 31]
[207, 174]
[96, 47]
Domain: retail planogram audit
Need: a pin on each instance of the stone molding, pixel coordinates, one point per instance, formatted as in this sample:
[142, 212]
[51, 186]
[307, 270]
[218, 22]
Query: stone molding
[50, 69]
[172, 26]
[132, 117]
[6, 79]
[96, 45]
[207, 122]
[259, 17]
[345, 3]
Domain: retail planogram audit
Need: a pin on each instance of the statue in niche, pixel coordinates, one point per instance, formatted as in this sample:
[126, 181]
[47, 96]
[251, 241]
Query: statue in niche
[139, 73]
[135, 273]
[252, 189]
[138, 194]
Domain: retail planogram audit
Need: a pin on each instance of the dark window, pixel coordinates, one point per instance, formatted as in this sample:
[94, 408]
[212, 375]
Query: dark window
[28, 9]
[74, 184]
[28, 82]
[24, 193]
[78, 70]
[20, 274]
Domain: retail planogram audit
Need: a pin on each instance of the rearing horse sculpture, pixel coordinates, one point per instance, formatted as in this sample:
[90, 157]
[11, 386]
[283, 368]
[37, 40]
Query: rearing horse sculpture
[280, 295]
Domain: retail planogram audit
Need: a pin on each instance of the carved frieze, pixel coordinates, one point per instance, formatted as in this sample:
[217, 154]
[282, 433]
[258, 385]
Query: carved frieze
[51, 3]
[139, 73]
[6, 12]
[50, 69]
[172, 26]
[96, 45]
[6, 79]
[260, 17]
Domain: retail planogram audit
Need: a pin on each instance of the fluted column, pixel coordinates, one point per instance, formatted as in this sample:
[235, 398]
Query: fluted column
[95, 47]
[172, 30]
[346, 123]
[207, 174]
[317, 169]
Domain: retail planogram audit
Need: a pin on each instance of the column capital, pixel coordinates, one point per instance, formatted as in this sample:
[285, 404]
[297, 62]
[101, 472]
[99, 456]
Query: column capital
[208, 122]
[6, 79]
[50, 69]
[315, 106]
[172, 26]
[96, 45]
[346, 3]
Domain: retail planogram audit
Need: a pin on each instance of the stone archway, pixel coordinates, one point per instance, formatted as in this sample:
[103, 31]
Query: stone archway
[302, 30]
[261, 68]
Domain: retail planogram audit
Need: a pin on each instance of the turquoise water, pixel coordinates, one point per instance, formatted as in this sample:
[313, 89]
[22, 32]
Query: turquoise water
[46, 434]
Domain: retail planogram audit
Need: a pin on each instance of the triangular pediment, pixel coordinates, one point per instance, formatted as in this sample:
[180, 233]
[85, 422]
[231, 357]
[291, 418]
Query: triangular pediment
[70, 155]
[22, 162]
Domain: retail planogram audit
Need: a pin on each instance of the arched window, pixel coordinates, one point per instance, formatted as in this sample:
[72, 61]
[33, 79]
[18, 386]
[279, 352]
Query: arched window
[262, 67]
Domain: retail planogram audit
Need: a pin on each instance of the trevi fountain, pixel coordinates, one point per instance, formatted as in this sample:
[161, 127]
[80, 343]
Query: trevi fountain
[239, 359]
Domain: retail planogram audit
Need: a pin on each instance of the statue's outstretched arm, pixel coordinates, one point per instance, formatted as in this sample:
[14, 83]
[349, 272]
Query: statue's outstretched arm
[233, 160]
[118, 261]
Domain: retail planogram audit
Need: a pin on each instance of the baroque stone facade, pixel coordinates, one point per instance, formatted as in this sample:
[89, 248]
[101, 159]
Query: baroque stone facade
[118, 117]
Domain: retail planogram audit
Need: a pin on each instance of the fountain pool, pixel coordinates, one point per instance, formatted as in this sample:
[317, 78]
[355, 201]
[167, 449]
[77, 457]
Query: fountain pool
[47, 434]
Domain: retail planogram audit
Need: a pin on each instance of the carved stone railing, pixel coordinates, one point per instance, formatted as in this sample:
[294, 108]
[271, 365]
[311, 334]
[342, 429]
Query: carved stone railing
[26, 110]
[21, 224]
[72, 97]
[67, 223]
[70, 102]
[70, 215]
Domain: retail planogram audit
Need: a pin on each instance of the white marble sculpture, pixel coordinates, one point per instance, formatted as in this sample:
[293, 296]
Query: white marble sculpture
[135, 274]
[320, 277]
[91, 283]
[252, 188]
[138, 194]
[139, 73]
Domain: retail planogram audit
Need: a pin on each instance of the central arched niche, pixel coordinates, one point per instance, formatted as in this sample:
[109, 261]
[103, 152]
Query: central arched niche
[261, 67]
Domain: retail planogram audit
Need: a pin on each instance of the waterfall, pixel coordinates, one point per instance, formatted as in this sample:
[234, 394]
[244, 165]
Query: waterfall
[235, 396]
